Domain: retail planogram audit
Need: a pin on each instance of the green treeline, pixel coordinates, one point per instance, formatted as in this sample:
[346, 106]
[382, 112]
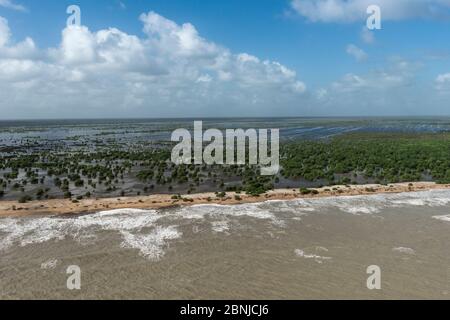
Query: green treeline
[381, 158]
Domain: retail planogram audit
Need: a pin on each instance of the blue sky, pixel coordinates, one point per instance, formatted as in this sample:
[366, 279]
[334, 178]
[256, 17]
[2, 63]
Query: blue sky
[411, 53]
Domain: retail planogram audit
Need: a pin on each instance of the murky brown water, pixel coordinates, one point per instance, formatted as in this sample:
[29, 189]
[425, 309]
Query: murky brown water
[306, 249]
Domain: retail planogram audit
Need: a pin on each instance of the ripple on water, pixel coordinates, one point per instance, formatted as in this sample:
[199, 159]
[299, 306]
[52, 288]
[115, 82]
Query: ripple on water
[150, 231]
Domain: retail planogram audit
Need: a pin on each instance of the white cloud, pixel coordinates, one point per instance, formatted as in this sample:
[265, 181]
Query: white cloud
[442, 78]
[11, 5]
[172, 71]
[22, 49]
[204, 78]
[399, 74]
[348, 11]
[392, 90]
[321, 94]
[443, 82]
[122, 5]
[357, 53]
[367, 36]
[4, 32]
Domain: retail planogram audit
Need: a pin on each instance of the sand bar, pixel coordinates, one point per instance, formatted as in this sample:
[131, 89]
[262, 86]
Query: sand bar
[160, 201]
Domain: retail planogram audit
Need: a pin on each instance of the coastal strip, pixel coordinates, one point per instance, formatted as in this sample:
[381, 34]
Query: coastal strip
[160, 201]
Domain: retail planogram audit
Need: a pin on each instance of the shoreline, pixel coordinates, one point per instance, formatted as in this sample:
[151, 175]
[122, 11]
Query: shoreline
[60, 207]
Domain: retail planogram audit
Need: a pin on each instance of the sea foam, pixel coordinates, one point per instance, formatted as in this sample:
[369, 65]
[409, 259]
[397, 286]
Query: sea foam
[130, 223]
[150, 231]
[443, 218]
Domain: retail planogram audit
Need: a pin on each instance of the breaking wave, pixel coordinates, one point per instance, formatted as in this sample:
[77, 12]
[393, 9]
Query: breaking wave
[151, 231]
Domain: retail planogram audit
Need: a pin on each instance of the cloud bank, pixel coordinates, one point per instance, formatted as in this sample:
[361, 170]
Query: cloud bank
[357, 53]
[11, 5]
[171, 71]
[349, 11]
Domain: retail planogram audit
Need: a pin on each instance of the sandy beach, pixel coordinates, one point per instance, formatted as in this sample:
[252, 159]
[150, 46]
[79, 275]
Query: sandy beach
[160, 201]
[314, 248]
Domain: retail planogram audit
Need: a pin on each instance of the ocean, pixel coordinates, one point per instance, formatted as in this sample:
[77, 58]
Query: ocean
[301, 249]
[56, 134]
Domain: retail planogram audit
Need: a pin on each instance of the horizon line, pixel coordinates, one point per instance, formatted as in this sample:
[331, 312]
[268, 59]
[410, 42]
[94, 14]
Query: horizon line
[230, 117]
